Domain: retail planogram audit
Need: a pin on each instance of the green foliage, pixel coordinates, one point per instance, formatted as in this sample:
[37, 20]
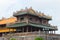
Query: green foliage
[38, 38]
[12, 39]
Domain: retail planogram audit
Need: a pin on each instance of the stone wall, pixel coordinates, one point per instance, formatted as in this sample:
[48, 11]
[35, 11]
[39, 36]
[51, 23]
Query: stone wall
[30, 36]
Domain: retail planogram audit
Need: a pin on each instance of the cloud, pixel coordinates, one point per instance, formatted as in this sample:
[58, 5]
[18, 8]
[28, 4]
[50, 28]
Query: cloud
[5, 6]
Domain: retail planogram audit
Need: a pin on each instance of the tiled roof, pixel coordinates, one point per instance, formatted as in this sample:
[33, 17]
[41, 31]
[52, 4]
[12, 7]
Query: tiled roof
[9, 20]
[33, 12]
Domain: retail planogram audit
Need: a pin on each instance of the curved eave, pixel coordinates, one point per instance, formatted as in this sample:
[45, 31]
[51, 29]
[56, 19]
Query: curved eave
[46, 17]
[23, 13]
[17, 14]
[31, 24]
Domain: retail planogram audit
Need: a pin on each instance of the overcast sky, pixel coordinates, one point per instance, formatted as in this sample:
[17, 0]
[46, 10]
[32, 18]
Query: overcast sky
[49, 7]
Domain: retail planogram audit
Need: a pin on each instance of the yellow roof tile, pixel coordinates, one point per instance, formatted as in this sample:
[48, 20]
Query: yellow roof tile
[9, 20]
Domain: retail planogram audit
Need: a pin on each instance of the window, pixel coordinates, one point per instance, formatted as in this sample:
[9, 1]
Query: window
[30, 19]
[44, 21]
[36, 20]
[21, 18]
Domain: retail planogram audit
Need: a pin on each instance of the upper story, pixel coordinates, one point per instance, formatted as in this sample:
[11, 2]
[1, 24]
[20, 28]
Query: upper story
[30, 15]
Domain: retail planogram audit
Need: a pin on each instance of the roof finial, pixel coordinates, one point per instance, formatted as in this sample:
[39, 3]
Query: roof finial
[26, 8]
[30, 8]
[39, 11]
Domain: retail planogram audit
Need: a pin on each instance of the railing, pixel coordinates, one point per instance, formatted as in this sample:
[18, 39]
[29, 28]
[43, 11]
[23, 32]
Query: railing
[41, 24]
[48, 25]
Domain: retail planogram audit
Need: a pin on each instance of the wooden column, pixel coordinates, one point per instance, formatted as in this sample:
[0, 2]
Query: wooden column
[50, 32]
[54, 32]
[9, 31]
[39, 32]
[42, 21]
[31, 29]
[34, 29]
[23, 29]
[13, 30]
[27, 29]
